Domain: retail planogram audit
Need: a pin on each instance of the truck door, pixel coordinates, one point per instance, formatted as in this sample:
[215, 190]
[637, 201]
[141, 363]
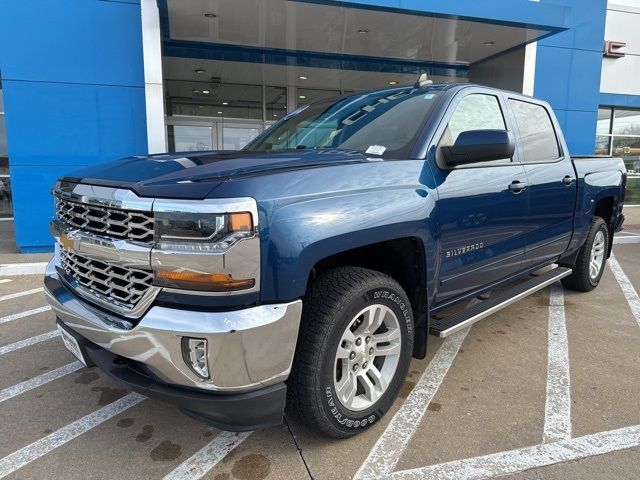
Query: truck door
[552, 182]
[480, 206]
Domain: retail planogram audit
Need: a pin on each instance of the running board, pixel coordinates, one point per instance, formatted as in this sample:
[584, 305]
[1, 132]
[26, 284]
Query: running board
[443, 327]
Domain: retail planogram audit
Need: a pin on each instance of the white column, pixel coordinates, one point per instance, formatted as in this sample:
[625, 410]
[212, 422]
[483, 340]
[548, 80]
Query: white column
[529, 73]
[153, 90]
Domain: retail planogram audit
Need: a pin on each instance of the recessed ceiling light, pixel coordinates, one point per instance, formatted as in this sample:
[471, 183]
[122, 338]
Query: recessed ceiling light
[303, 77]
[393, 82]
[205, 91]
[210, 15]
[488, 44]
[302, 96]
[363, 30]
[225, 103]
[199, 71]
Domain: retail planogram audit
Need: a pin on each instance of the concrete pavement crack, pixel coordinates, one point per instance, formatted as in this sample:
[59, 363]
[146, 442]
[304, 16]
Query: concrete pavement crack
[295, 441]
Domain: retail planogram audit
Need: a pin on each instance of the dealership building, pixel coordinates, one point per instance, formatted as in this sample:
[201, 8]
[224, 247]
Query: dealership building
[87, 81]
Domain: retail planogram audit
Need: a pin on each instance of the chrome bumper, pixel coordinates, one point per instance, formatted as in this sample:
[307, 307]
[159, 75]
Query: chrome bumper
[248, 349]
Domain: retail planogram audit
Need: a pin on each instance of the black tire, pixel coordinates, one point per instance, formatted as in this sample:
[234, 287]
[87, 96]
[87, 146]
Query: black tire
[580, 279]
[329, 308]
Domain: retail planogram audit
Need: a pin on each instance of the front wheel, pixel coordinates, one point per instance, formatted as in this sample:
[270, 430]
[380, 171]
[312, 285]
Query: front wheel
[353, 351]
[589, 265]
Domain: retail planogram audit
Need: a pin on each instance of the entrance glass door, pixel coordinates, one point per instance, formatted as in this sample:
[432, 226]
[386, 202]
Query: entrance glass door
[190, 138]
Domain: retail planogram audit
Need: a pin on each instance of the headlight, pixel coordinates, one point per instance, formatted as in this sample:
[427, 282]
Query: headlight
[203, 232]
[194, 251]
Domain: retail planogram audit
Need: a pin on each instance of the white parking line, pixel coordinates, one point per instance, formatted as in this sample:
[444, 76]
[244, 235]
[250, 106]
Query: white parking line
[557, 415]
[385, 454]
[35, 382]
[39, 448]
[27, 342]
[626, 239]
[627, 288]
[16, 316]
[20, 294]
[207, 457]
[12, 269]
[513, 461]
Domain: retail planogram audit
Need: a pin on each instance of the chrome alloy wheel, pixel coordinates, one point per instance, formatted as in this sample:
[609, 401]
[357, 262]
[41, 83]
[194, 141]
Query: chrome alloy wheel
[597, 255]
[367, 357]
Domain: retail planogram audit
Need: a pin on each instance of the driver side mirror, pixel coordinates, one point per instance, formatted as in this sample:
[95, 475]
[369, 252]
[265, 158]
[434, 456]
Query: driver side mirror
[473, 146]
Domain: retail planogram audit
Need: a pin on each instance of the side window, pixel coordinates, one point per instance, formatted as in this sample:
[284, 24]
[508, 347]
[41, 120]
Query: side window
[477, 111]
[539, 141]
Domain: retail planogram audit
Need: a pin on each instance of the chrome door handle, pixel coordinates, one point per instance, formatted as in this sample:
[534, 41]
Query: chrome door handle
[568, 180]
[517, 186]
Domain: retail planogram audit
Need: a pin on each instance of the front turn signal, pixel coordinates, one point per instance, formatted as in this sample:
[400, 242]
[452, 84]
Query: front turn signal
[213, 282]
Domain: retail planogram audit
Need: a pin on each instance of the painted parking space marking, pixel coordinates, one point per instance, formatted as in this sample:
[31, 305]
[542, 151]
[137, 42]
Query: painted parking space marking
[557, 415]
[514, 461]
[28, 313]
[386, 452]
[20, 294]
[38, 381]
[27, 342]
[39, 448]
[13, 269]
[626, 240]
[627, 288]
[208, 456]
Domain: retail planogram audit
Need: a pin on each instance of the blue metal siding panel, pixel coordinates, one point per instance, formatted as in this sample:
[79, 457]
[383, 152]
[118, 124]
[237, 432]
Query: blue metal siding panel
[73, 86]
[574, 125]
[74, 41]
[67, 124]
[572, 83]
[568, 67]
[620, 100]
[33, 205]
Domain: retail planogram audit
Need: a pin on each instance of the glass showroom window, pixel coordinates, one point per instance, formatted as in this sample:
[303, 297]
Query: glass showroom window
[6, 207]
[219, 116]
[618, 134]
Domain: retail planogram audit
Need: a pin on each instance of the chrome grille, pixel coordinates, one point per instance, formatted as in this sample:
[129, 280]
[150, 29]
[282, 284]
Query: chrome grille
[121, 224]
[111, 283]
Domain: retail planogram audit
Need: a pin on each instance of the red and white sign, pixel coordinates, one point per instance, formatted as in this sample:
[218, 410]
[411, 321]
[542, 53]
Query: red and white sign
[612, 48]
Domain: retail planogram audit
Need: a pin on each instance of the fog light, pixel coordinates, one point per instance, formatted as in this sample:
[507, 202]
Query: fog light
[194, 352]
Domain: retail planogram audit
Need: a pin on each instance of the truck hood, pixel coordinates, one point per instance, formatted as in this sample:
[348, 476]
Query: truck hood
[193, 175]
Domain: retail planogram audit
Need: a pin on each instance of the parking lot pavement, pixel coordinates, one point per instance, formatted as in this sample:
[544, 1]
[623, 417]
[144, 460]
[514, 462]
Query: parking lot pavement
[547, 388]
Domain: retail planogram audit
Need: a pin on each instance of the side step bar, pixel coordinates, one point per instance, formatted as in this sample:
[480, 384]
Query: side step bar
[443, 327]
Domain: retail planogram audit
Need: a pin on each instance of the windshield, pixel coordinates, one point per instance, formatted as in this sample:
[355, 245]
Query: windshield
[379, 123]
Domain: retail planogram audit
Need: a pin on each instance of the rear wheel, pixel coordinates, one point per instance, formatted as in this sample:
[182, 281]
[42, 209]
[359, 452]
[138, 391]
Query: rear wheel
[589, 265]
[353, 351]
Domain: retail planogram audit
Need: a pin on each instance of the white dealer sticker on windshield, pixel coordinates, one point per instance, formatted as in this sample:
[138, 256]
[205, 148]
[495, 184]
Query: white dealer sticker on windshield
[376, 149]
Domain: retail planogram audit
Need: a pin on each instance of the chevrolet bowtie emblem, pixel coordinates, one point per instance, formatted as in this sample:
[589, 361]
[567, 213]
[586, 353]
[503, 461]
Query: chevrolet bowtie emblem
[68, 242]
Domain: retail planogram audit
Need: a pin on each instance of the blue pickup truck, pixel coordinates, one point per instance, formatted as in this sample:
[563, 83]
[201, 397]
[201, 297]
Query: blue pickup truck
[306, 269]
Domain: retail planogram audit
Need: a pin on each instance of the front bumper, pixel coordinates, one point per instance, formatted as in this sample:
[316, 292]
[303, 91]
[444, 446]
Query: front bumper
[227, 411]
[248, 349]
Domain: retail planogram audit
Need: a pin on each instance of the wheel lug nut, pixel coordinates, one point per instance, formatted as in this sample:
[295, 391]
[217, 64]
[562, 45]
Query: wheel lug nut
[358, 341]
[368, 339]
[364, 365]
[352, 355]
[356, 367]
[370, 350]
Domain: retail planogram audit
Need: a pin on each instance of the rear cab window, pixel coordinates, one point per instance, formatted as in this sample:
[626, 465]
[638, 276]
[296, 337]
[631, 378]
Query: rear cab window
[538, 138]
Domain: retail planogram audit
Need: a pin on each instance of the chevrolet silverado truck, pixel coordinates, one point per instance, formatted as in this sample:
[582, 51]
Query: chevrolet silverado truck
[308, 268]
